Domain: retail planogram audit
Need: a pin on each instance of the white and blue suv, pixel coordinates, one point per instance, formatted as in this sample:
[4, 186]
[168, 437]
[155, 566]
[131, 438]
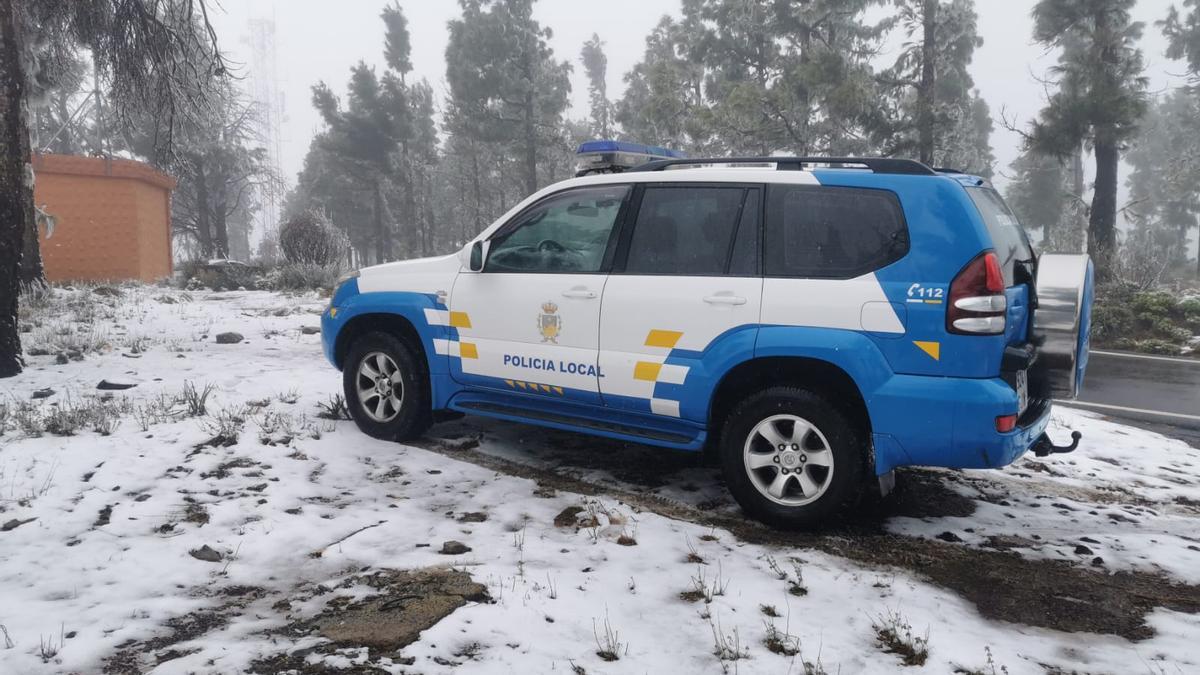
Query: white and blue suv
[816, 322]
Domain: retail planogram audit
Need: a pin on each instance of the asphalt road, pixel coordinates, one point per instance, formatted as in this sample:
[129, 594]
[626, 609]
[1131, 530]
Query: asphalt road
[1158, 391]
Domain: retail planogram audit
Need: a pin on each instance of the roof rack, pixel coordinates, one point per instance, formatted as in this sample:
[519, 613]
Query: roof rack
[888, 165]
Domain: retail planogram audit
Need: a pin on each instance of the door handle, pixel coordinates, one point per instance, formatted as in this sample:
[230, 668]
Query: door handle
[725, 299]
[581, 293]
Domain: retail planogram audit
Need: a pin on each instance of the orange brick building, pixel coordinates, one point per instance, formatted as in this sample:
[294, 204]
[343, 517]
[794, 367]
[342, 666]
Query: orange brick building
[114, 218]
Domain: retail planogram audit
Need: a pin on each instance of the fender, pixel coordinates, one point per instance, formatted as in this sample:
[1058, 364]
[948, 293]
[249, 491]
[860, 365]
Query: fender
[350, 304]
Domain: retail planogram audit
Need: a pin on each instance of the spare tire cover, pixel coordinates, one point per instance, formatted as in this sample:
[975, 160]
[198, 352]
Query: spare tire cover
[1062, 322]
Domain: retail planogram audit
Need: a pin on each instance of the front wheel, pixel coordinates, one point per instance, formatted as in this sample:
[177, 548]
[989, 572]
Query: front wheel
[791, 459]
[385, 387]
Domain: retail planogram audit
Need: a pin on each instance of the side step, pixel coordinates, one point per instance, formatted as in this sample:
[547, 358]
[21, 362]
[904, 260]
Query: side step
[487, 408]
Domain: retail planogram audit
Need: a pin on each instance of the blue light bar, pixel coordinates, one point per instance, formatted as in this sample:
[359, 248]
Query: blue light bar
[608, 156]
[634, 148]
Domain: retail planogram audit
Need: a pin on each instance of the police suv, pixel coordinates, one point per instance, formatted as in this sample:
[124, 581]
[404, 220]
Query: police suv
[815, 322]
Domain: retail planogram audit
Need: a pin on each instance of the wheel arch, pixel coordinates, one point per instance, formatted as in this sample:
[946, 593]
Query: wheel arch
[393, 324]
[817, 375]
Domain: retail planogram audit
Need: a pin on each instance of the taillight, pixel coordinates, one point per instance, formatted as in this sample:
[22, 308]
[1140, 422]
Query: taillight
[1006, 423]
[977, 302]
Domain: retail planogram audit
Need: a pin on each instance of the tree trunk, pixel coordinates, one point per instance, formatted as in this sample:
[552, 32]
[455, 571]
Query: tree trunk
[32, 271]
[1079, 223]
[1102, 226]
[382, 245]
[203, 212]
[928, 89]
[221, 225]
[16, 191]
[531, 183]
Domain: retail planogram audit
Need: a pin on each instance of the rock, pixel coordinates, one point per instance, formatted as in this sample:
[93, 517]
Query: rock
[473, 517]
[408, 603]
[105, 385]
[107, 291]
[950, 537]
[568, 516]
[1083, 550]
[62, 359]
[310, 330]
[38, 351]
[14, 524]
[74, 355]
[1097, 562]
[42, 393]
[230, 338]
[206, 553]
[454, 548]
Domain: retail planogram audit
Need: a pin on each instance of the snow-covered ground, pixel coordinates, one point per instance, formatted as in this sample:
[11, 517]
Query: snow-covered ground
[302, 513]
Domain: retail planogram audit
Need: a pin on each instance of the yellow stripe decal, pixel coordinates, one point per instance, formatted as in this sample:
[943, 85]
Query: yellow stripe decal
[468, 350]
[558, 390]
[663, 338]
[510, 383]
[520, 384]
[545, 388]
[933, 349]
[647, 371]
[459, 320]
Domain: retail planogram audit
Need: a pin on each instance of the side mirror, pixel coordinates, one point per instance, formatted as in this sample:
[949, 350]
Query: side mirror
[478, 253]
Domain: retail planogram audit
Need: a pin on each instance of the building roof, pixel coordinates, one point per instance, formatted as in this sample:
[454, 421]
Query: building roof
[77, 165]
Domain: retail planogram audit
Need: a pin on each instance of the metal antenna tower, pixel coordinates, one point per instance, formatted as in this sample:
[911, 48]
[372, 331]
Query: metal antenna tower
[267, 95]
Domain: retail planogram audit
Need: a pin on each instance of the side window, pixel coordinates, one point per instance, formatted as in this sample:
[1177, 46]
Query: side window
[566, 233]
[831, 232]
[684, 230]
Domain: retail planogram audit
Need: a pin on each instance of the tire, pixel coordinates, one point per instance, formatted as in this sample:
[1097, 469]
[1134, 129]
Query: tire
[825, 462]
[393, 415]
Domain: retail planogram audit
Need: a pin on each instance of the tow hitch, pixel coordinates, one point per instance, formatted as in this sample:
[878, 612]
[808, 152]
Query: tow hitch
[1044, 447]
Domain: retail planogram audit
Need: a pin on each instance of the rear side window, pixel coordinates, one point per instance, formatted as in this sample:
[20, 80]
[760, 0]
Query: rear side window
[685, 230]
[1008, 237]
[831, 232]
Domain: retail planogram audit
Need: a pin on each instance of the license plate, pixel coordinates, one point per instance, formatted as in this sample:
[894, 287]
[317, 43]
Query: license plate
[1022, 381]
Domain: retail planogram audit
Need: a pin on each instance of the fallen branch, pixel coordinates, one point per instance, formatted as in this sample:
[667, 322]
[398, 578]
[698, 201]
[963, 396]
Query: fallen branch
[321, 551]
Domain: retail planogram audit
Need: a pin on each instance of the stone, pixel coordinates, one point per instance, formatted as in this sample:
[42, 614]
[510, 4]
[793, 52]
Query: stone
[230, 338]
[454, 548]
[409, 602]
[206, 553]
[14, 524]
[105, 385]
[107, 291]
[43, 393]
[950, 537]
[310, 330]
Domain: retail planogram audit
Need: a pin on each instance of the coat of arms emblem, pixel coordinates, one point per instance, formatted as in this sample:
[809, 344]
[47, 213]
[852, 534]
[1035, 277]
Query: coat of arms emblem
[549, 323]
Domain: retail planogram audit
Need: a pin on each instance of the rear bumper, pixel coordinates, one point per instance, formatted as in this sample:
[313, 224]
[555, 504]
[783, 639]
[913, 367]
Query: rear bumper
[951, 423]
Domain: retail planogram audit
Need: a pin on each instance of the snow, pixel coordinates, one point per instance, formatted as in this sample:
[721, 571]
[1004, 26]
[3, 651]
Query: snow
[293, 483]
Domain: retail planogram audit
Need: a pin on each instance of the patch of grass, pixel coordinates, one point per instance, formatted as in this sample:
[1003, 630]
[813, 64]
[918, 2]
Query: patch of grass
[224, 426]
[195, 401]
[894, 635]
[609, 646]
[780, 641]
[793, 578]
[333, 409]
[989, 668]
[727, 647]
[769, 610]
[703, 589]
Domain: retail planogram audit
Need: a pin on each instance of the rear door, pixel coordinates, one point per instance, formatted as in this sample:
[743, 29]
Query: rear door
[684, 297]
[529, 323]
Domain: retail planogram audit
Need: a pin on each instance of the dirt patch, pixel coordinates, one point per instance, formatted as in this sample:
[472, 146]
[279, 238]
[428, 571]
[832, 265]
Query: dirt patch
[409, 602]
[1044, 593]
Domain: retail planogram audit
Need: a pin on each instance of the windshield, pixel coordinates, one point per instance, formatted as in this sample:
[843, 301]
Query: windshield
[1008, 237]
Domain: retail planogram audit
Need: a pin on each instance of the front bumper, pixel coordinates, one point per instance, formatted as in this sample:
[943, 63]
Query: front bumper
[951, 423]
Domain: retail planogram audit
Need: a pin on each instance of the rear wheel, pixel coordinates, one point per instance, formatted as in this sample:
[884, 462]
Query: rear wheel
[385, 387]
[791, 459]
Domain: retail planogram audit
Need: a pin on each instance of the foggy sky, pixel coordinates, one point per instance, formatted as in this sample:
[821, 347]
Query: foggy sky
[321, 39]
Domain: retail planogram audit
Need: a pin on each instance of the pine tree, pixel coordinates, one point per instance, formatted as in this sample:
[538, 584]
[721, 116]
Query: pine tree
[932, 108]
[506, 86]
[1099, 99]
[137, 46]
[1164, 187]
[1039, 195]
[595, 66]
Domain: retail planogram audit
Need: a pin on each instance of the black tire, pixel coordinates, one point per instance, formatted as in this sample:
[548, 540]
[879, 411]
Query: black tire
[846, 444]
[413, 416]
